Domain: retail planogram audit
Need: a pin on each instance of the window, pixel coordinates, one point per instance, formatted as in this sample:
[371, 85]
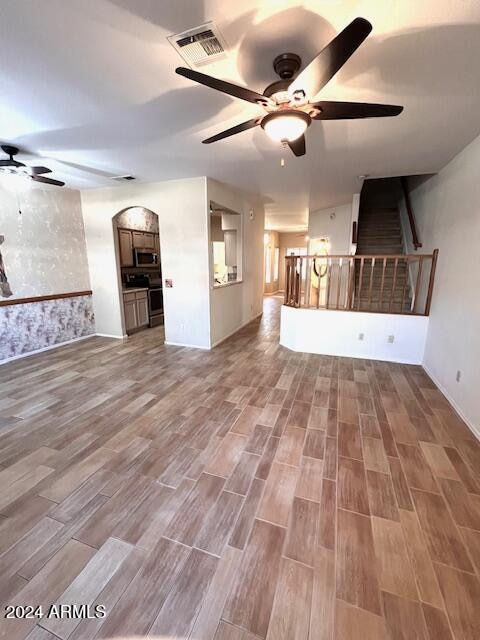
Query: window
[226, 241]
[268, 264]
[275, 264]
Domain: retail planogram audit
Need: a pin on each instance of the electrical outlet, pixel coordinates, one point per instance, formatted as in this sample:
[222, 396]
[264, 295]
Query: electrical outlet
[361, 336]
[391, 339]
[458, 376]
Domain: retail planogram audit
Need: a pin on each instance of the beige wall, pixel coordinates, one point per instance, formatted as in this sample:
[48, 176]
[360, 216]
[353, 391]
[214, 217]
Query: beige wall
[44, 253]
[446, 208]
[234, 305]
[335, 224]
[287, 240]
[183, 215]
[44, 248]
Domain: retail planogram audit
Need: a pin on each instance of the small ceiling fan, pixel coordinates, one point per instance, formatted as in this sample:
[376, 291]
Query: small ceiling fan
[287, 102]
[11, 166]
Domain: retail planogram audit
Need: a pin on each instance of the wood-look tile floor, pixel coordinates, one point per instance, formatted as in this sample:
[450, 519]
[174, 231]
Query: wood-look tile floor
[248, 492]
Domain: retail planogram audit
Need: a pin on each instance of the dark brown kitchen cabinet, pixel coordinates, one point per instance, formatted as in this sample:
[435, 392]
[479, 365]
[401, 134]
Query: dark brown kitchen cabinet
[128, 240]
[149, 241]
[138, 239]
[125, 244]
[135, 305]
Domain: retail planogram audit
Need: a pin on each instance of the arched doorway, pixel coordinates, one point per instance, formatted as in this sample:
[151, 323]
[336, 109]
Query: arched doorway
[139, 268]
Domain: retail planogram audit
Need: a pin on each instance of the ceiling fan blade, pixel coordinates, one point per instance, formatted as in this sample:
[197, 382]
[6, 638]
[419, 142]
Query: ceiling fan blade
[331, 58]
[298, 146]
[353, 110]
[58, 183]
[10, 163]
[249, 124]
[38, 170]
[226, 87]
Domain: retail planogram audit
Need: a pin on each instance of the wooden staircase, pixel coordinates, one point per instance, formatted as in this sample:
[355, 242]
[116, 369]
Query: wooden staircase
[381, 285]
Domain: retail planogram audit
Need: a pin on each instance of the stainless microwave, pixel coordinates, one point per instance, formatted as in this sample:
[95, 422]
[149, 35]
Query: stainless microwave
[145, 258]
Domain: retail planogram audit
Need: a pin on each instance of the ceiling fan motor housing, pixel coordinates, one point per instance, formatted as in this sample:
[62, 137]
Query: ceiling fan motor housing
[10, 150]
[286, 65]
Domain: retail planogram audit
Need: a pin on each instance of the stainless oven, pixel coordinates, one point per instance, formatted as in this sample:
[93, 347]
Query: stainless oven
[145, 258]
[155, 305]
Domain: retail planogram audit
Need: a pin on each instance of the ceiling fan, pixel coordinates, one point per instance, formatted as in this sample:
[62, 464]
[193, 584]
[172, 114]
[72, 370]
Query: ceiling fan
[11, 166]
[287, 102]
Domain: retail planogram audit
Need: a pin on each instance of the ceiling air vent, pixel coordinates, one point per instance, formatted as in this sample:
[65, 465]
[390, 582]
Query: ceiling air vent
[122, 178]
[200, 45]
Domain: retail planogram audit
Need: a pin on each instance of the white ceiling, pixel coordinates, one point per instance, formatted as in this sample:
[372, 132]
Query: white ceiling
[91, 83]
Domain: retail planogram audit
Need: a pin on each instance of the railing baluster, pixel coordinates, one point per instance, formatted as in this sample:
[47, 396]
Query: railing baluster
[431, 281]
[287, 281]
[372, 265]
[360, 283]
[339, 281]
[417, 284]
[290, 290]
[404, 292]
[380, 302]
[351, 283]
[394, 283]
[346, 304]
[329, 275]
[299, 296]
[306, 294]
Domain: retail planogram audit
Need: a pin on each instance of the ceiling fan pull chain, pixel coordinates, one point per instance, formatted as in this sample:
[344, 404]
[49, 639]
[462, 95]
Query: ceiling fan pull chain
[17, 194]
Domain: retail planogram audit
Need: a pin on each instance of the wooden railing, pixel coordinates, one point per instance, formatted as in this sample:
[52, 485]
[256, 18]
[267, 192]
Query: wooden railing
[401, 284]
[411, 218]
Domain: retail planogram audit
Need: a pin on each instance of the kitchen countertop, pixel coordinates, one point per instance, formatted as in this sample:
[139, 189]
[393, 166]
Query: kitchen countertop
[134, 289]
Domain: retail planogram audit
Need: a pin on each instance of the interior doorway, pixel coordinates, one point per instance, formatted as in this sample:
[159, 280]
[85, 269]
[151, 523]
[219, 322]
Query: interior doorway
[139, 268]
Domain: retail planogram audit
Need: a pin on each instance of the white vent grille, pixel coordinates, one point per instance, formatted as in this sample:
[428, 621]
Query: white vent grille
[201, 45]
[122, 178]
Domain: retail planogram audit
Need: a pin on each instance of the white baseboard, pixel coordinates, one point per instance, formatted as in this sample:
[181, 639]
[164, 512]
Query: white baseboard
[109, 335]
[183, 344]
[51, 346]
[473, 428]
[215, 344]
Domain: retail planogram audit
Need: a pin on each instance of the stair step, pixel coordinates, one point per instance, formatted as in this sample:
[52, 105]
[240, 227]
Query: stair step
[375, 233]
[387, 280]
[380, 230]
[379, 233]
[396, 239]
[372, 251]
[379, 217]
[399, 286]
[365, 298]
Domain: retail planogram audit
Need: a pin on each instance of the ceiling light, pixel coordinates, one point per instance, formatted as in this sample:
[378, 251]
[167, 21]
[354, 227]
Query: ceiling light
[286, 126]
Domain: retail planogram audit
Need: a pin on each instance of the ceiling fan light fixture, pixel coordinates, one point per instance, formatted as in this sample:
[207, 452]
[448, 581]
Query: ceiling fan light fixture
[286, 126]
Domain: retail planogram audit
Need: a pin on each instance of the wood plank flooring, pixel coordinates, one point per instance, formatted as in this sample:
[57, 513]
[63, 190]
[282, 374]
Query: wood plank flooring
[244, 493]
